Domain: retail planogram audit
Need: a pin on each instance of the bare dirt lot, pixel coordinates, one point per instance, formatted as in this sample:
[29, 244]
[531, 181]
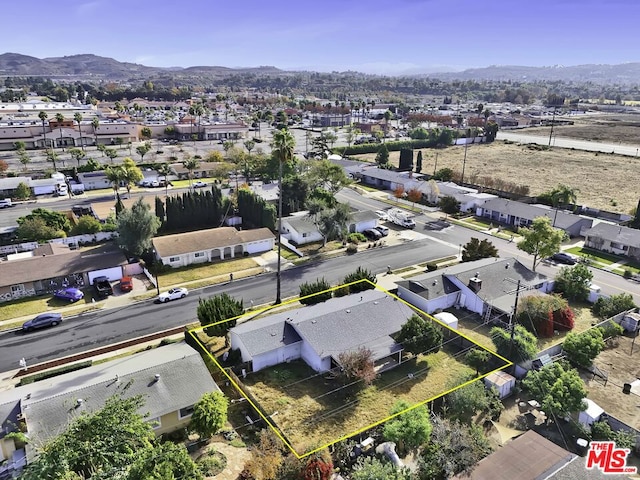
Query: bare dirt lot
[604, 181]
[597, 128]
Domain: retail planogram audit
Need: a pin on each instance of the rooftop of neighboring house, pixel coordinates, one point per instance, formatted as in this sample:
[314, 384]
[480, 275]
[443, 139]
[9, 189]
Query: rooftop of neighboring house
[169, 378]
[203, 240]
[615, 233]
[301, 223]
[563, 219]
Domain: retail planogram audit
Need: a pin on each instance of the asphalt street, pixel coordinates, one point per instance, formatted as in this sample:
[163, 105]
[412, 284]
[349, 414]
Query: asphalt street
[564, 142]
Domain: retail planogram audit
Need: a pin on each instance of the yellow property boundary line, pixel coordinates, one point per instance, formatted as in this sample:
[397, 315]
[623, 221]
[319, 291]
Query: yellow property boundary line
[276, 430]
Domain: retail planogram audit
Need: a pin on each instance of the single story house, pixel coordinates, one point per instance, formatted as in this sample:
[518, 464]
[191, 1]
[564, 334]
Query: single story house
[204, 170]
[518, 214]
[8, 185]
[388, 179]
[611, 238]
[319, 334]
[47, 271]
[363, 220]
[300, 229]
[486, 286]
[201, 246]
[94, 180]
[171, 379]
[527, 457]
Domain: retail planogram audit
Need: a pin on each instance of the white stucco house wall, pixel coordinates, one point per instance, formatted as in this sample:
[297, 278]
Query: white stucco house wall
[299, 229]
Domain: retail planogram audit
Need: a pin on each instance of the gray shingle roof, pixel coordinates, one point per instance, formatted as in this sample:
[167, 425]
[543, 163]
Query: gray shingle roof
[267, 334]
[335, 326]
[615, 233]
[49, 405]
[301, 223]
[203, 240]
[363, 216]
[429, 286]
[529, 212]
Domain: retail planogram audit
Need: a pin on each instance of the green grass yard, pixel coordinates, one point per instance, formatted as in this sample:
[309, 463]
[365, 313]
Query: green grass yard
[176, 276]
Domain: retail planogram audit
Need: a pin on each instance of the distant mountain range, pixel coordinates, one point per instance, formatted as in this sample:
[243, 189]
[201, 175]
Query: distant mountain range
[88, 65]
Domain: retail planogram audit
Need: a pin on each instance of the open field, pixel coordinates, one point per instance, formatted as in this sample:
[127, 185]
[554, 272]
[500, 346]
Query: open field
[315, 409]
[597, 128]
[604, 181]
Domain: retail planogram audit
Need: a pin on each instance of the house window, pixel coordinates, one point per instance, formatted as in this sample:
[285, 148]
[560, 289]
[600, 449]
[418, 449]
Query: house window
[185, 412]
[174, 259]
[305, 235]
[199, 254]
[17, 288]
[154, 422]
[618, 246]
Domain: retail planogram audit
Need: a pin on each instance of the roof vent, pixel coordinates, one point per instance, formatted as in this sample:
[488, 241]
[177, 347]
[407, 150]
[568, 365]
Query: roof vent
[376, 302]
[273, 334]
[477, 274]
[348, 311]
[435, 282]
[117, 377]
[157, 377]
[475, 284]
[506, 266]
[314, 321]
[79, 402]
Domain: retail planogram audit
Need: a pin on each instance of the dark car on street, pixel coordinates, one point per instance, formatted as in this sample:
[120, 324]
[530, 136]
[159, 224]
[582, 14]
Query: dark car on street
[563, 257]
[41, 321]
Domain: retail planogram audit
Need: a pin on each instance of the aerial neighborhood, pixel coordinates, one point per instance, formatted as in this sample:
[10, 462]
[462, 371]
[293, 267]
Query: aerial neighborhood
[265, 274]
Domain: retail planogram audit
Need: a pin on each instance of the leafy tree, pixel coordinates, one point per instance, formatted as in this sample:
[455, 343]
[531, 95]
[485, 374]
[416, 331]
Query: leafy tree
[611, 329]
[52, 157]
[358, 365]
[266, 457]
[164, 461]
[537, 313]
[602, 431]
[406, 160]
[55, 220]
[145, 133]
[453, 448]
[382, 157]
[22, 191]
[443, 175]
[360, 274]
[4, 166]
[23, 158]
[477, 359]
[315, 291]
[96, 445]
[449, 205]
[332, 223]
[420, 335]
[419, 162]
[372, 468]
[87, 224]
[607, 307]
[77, 154]
[318, 467]
[209, 414]
[294, 194]
[465, 402]
[414, 195]
[540, 240]
[573, 282]
[119, 206]
[136, 228]
[477, 249]
[557, 387]
[524, 346]
[36, 230]
[410, 429]
[142, 150]
[216, 309]
[164, 170]
[399, 192]
[132, 174]
[582, 348]
[327, 175]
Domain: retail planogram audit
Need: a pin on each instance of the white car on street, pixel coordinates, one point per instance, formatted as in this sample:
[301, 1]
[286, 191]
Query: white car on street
[173, 294]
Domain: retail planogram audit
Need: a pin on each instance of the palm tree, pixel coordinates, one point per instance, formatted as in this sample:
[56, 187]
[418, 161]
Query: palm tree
[59, 120]
[333, 223]
[78, 118]
[95, 123]
[282, 147]
[164, 170]
[190, 164]
[563, 195]
[43, 116]
[115, 176]
[52, 156]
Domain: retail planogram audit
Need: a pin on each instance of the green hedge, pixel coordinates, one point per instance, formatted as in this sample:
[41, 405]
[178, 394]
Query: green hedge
[36, 377]
[391, 146]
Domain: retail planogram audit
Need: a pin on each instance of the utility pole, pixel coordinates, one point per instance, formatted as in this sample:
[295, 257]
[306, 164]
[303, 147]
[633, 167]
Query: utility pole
[435, 166]
[513, 320]
[278, 277]
[464, 162]
[553, 122]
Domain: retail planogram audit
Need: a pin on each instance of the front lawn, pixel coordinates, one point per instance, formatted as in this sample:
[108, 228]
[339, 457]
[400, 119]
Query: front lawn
[34, 305]
[177, 276]
[604, 260]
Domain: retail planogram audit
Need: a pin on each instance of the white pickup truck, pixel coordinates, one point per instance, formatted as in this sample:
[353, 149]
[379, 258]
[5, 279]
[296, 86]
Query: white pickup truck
[5, 203]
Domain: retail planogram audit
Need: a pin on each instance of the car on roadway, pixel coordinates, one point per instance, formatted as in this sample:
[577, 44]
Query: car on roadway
[382, 215]
[173, 294]
[41, 321]
[372, 234]
[70, 294]
[564, 257]
[126, 284]
[199, 184]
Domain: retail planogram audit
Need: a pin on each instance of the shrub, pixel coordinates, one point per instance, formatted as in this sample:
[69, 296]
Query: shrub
[360, 274]
[432, 267]
[341, 292]
[351, 248]
[582, 348]
[312, 292]
[627, 273]
[212, 463]
[356, 238]
[563, 319]
[606, 307]
[53, 373]
[611, 329]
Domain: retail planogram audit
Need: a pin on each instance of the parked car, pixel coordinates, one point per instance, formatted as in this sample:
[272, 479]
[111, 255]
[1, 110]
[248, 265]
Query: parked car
[199, 184]
[70, 294]
[372, 234]
[42, 320]
[173, 294]
[102, 286]
[382, 215]
[564, 257]
[383, 230]
[126, 284]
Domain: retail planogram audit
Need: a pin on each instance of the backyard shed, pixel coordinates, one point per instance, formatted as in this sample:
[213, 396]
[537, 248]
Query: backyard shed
[630, 322]
[591, 414]
[448, 319]
[502, 382]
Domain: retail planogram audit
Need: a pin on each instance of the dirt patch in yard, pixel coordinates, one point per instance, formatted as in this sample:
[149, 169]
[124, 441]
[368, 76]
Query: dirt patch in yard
[600, 178]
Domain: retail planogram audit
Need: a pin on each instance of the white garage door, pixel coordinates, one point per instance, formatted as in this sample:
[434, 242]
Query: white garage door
[113, 274]
[260, 246]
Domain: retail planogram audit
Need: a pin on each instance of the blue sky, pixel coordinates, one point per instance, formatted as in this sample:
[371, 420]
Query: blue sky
[372, 36]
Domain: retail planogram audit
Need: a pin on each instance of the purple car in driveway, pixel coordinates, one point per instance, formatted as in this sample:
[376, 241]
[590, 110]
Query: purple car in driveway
[70, 294]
